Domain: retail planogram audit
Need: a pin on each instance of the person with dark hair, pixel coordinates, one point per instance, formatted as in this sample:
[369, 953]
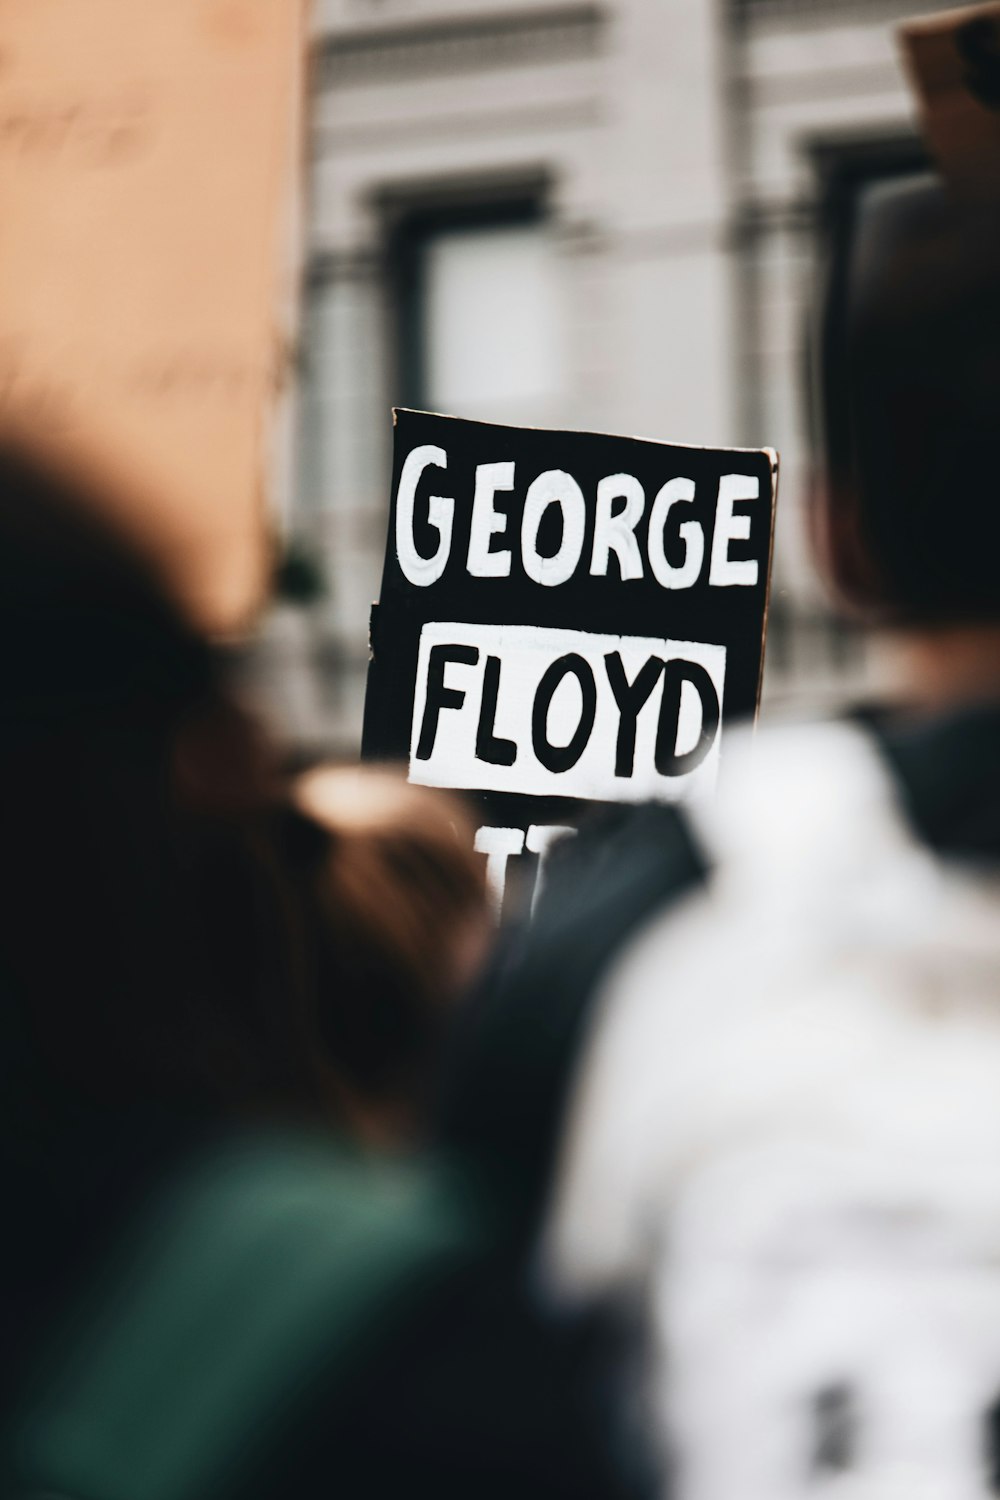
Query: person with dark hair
[207, 1289]
[700, 985]
[145, 962]
[138, 804]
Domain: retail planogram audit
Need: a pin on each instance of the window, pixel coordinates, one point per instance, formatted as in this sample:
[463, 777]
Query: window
[481, 322]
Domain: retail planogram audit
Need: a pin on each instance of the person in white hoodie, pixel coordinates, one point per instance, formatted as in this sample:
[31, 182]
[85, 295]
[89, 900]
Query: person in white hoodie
[763, 1070]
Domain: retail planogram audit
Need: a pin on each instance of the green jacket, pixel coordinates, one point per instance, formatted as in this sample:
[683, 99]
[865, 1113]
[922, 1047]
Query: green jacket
[256, 1279]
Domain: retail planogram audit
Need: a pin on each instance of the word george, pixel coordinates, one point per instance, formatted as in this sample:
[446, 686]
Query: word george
[563, 712]
[621, 503]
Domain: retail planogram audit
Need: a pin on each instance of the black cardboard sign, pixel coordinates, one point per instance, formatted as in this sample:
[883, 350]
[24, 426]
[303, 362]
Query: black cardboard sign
[566, 618]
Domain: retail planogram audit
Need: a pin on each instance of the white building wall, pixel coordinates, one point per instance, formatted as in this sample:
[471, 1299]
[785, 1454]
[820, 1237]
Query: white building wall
[671, 145]
[813, 78]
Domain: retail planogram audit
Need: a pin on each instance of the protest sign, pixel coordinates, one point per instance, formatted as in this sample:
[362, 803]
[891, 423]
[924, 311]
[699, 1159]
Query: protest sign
[566, 618]
[954, 60]
[148, 161]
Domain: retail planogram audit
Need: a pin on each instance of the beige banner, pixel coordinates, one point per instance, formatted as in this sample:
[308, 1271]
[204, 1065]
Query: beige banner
[148, 159]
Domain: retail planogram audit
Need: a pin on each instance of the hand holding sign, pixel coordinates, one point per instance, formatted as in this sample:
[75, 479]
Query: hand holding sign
[565, 618]
[954, 59]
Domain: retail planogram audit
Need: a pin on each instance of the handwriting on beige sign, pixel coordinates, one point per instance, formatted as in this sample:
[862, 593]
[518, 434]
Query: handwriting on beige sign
[101, 134]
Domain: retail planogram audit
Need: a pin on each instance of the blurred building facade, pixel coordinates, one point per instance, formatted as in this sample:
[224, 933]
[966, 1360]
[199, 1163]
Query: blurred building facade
[592, 213]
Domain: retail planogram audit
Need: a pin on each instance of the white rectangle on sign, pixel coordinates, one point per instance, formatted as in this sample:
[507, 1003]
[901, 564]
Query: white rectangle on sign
[565, 713]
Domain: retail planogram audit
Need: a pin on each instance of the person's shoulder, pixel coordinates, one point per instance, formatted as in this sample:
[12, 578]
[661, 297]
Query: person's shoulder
[833, 896]
[265, 1267]
[802, 813]
[935, 773]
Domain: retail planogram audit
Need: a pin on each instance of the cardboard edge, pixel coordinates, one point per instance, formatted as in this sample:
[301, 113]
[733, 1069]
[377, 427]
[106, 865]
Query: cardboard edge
[944, 20]
[629, 437]
[775, 460]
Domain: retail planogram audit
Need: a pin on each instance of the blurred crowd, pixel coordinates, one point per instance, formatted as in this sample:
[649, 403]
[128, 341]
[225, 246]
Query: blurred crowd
[316, 1183]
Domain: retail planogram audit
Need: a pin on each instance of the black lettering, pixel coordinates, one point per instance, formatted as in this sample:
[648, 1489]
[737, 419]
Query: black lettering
[489, 747]
[630, 697]
[675, 674]
[438, 696]
[563, 757]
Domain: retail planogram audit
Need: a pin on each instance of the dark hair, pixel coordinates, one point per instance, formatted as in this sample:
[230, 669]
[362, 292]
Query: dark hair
[399, 916]
[147, 942]
[909, 379]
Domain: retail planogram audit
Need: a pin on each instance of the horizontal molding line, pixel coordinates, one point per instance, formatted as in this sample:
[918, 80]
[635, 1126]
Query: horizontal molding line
[833, 12]
[749, 221]
[498, 41]
[873, 80]
[330, 139]
[325, 267]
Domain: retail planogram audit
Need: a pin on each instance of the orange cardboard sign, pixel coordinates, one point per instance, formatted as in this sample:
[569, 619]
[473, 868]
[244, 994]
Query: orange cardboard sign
[954, 60]
[148, 158]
